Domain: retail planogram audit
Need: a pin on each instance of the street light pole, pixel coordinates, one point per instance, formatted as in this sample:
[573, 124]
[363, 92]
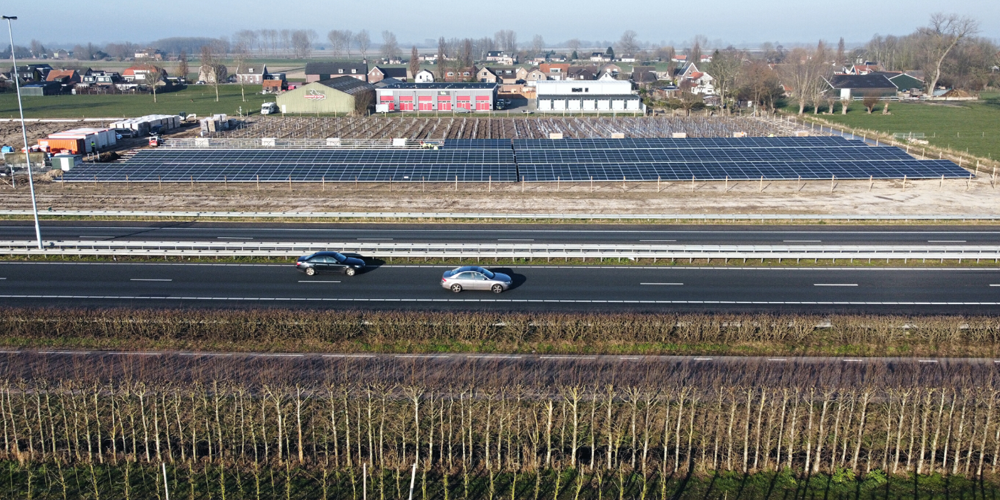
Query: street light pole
[24, 132]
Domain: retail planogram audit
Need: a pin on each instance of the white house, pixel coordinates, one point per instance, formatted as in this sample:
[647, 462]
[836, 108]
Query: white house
[701, 82]
[424, 76]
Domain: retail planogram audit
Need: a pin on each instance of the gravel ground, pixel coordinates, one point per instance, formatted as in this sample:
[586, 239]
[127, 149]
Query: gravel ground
[952, 197]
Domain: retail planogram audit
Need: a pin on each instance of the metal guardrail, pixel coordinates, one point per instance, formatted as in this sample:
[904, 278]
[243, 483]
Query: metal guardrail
[502, 250]
[502, 216]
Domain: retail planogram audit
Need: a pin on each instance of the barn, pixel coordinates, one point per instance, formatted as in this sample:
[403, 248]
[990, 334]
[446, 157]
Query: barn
[342, 95]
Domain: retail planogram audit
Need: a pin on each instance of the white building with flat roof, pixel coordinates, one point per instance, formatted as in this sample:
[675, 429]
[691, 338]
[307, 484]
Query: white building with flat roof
[593, 96]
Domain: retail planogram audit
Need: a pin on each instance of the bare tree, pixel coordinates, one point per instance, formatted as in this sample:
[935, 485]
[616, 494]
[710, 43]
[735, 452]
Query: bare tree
[182, 65]
[211, 68]
[302, 43]
[37, 49]
[573, 44]
[841, 57]
[506, 40]
[390, 48]
[725, 67]
[797, 71]
[364, 41]
[628, 44]
[414, 62]
[348, 41]
[286, 38]
[336, 38]
[440, 59]
[152, 75]
[537, 44]
[943, 34]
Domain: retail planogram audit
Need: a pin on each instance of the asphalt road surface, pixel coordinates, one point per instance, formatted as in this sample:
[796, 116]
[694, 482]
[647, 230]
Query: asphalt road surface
[507, 233]
[538, 373]
[587, 288]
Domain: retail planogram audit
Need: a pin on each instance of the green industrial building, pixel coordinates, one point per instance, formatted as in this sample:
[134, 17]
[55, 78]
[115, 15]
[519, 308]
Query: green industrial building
[343, 95]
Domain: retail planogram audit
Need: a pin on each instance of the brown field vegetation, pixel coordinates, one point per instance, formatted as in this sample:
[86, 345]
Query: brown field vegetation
[277, 330]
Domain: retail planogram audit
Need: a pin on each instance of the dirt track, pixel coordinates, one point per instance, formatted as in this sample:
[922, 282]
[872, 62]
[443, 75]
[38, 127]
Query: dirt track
[848, 197]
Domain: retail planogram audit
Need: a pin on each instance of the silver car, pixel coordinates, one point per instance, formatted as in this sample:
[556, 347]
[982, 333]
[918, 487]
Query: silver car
[474, 278]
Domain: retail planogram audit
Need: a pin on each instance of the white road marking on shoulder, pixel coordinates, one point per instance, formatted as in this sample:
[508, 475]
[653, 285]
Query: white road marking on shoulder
[835, 284]
[150, 279]
[662, 284]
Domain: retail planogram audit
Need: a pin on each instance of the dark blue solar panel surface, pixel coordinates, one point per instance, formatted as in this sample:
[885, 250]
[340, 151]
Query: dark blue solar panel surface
[534, 160]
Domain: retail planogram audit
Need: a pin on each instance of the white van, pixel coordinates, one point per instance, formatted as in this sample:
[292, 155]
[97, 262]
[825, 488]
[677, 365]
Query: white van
[269, 108]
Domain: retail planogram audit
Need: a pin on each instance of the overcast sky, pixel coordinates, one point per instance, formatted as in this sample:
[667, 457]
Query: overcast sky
[738, 22]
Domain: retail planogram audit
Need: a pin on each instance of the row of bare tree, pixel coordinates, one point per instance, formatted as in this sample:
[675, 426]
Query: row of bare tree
[647, 429]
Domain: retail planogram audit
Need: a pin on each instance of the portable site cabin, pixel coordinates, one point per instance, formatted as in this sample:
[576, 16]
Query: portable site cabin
[80, 140]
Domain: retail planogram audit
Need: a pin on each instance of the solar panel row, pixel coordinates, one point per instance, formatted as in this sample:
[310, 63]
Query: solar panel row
[812, 170]
[505, 160]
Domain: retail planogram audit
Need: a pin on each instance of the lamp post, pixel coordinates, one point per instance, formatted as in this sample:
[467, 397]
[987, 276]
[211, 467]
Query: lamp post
[24, 132]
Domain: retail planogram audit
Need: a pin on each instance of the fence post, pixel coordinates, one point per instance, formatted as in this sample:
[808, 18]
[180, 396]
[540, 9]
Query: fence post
[456, 183]
[833, 179]
[258, 182]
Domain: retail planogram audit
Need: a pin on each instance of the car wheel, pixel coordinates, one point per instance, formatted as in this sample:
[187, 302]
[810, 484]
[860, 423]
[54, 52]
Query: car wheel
[456, 288]
[497, 288]
[350, 271]
[310, 271]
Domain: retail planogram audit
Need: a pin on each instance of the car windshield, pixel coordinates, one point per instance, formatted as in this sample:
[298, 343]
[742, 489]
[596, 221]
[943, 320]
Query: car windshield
[487, 272]
[337, 257]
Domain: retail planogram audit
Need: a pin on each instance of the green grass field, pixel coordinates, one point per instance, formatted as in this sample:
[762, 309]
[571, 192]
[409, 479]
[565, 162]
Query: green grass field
[972, 126]
[199, 99]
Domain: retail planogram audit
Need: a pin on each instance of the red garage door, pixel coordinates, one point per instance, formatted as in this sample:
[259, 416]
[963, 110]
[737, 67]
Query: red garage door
[406, 103]
[482, 103]
[425, 103]
[464, 102]
[444, 103]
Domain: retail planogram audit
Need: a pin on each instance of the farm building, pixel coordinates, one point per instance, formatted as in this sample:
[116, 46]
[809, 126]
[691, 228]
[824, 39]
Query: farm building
[438, 96]
[587, 96]
[336, 95]
[859, 86]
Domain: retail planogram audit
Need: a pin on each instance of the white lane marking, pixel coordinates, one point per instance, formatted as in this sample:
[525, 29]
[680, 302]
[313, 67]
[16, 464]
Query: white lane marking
[504, 301]
[64, 352]
[233, 238]
[927, 361]
[662, 284]
[945, 241]
[852, 360]
[777, 359]
[515, 239]
[149, 279]
[341, 355]
[1, 279]
[374, 239]
[492, 356]
[802, 241]
[703, 359]
[991, 284]
[310, 281]
[835, 284]
[641, 241]
[567, 357]
[630, 358]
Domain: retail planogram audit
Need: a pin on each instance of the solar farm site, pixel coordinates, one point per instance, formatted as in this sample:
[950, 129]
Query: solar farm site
[533, 160]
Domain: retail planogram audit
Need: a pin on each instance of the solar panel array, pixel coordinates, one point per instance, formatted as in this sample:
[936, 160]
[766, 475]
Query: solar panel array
[330, 165]
[534, 160]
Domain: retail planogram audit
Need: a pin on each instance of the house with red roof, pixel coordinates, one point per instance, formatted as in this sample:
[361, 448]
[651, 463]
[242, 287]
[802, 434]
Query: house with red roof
[140, 72]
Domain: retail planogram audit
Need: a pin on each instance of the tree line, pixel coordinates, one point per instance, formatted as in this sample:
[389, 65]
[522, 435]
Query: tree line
[647, 433]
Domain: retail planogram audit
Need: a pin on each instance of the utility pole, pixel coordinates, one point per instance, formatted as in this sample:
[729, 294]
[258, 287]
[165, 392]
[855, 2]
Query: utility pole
[24, 132]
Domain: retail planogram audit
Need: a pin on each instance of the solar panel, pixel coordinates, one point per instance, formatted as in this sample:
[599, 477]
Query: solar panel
[534, 160]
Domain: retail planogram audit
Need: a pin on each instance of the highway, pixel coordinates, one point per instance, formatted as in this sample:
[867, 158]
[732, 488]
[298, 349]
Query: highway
[493, 233]
[559, 288]
[538, 372]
